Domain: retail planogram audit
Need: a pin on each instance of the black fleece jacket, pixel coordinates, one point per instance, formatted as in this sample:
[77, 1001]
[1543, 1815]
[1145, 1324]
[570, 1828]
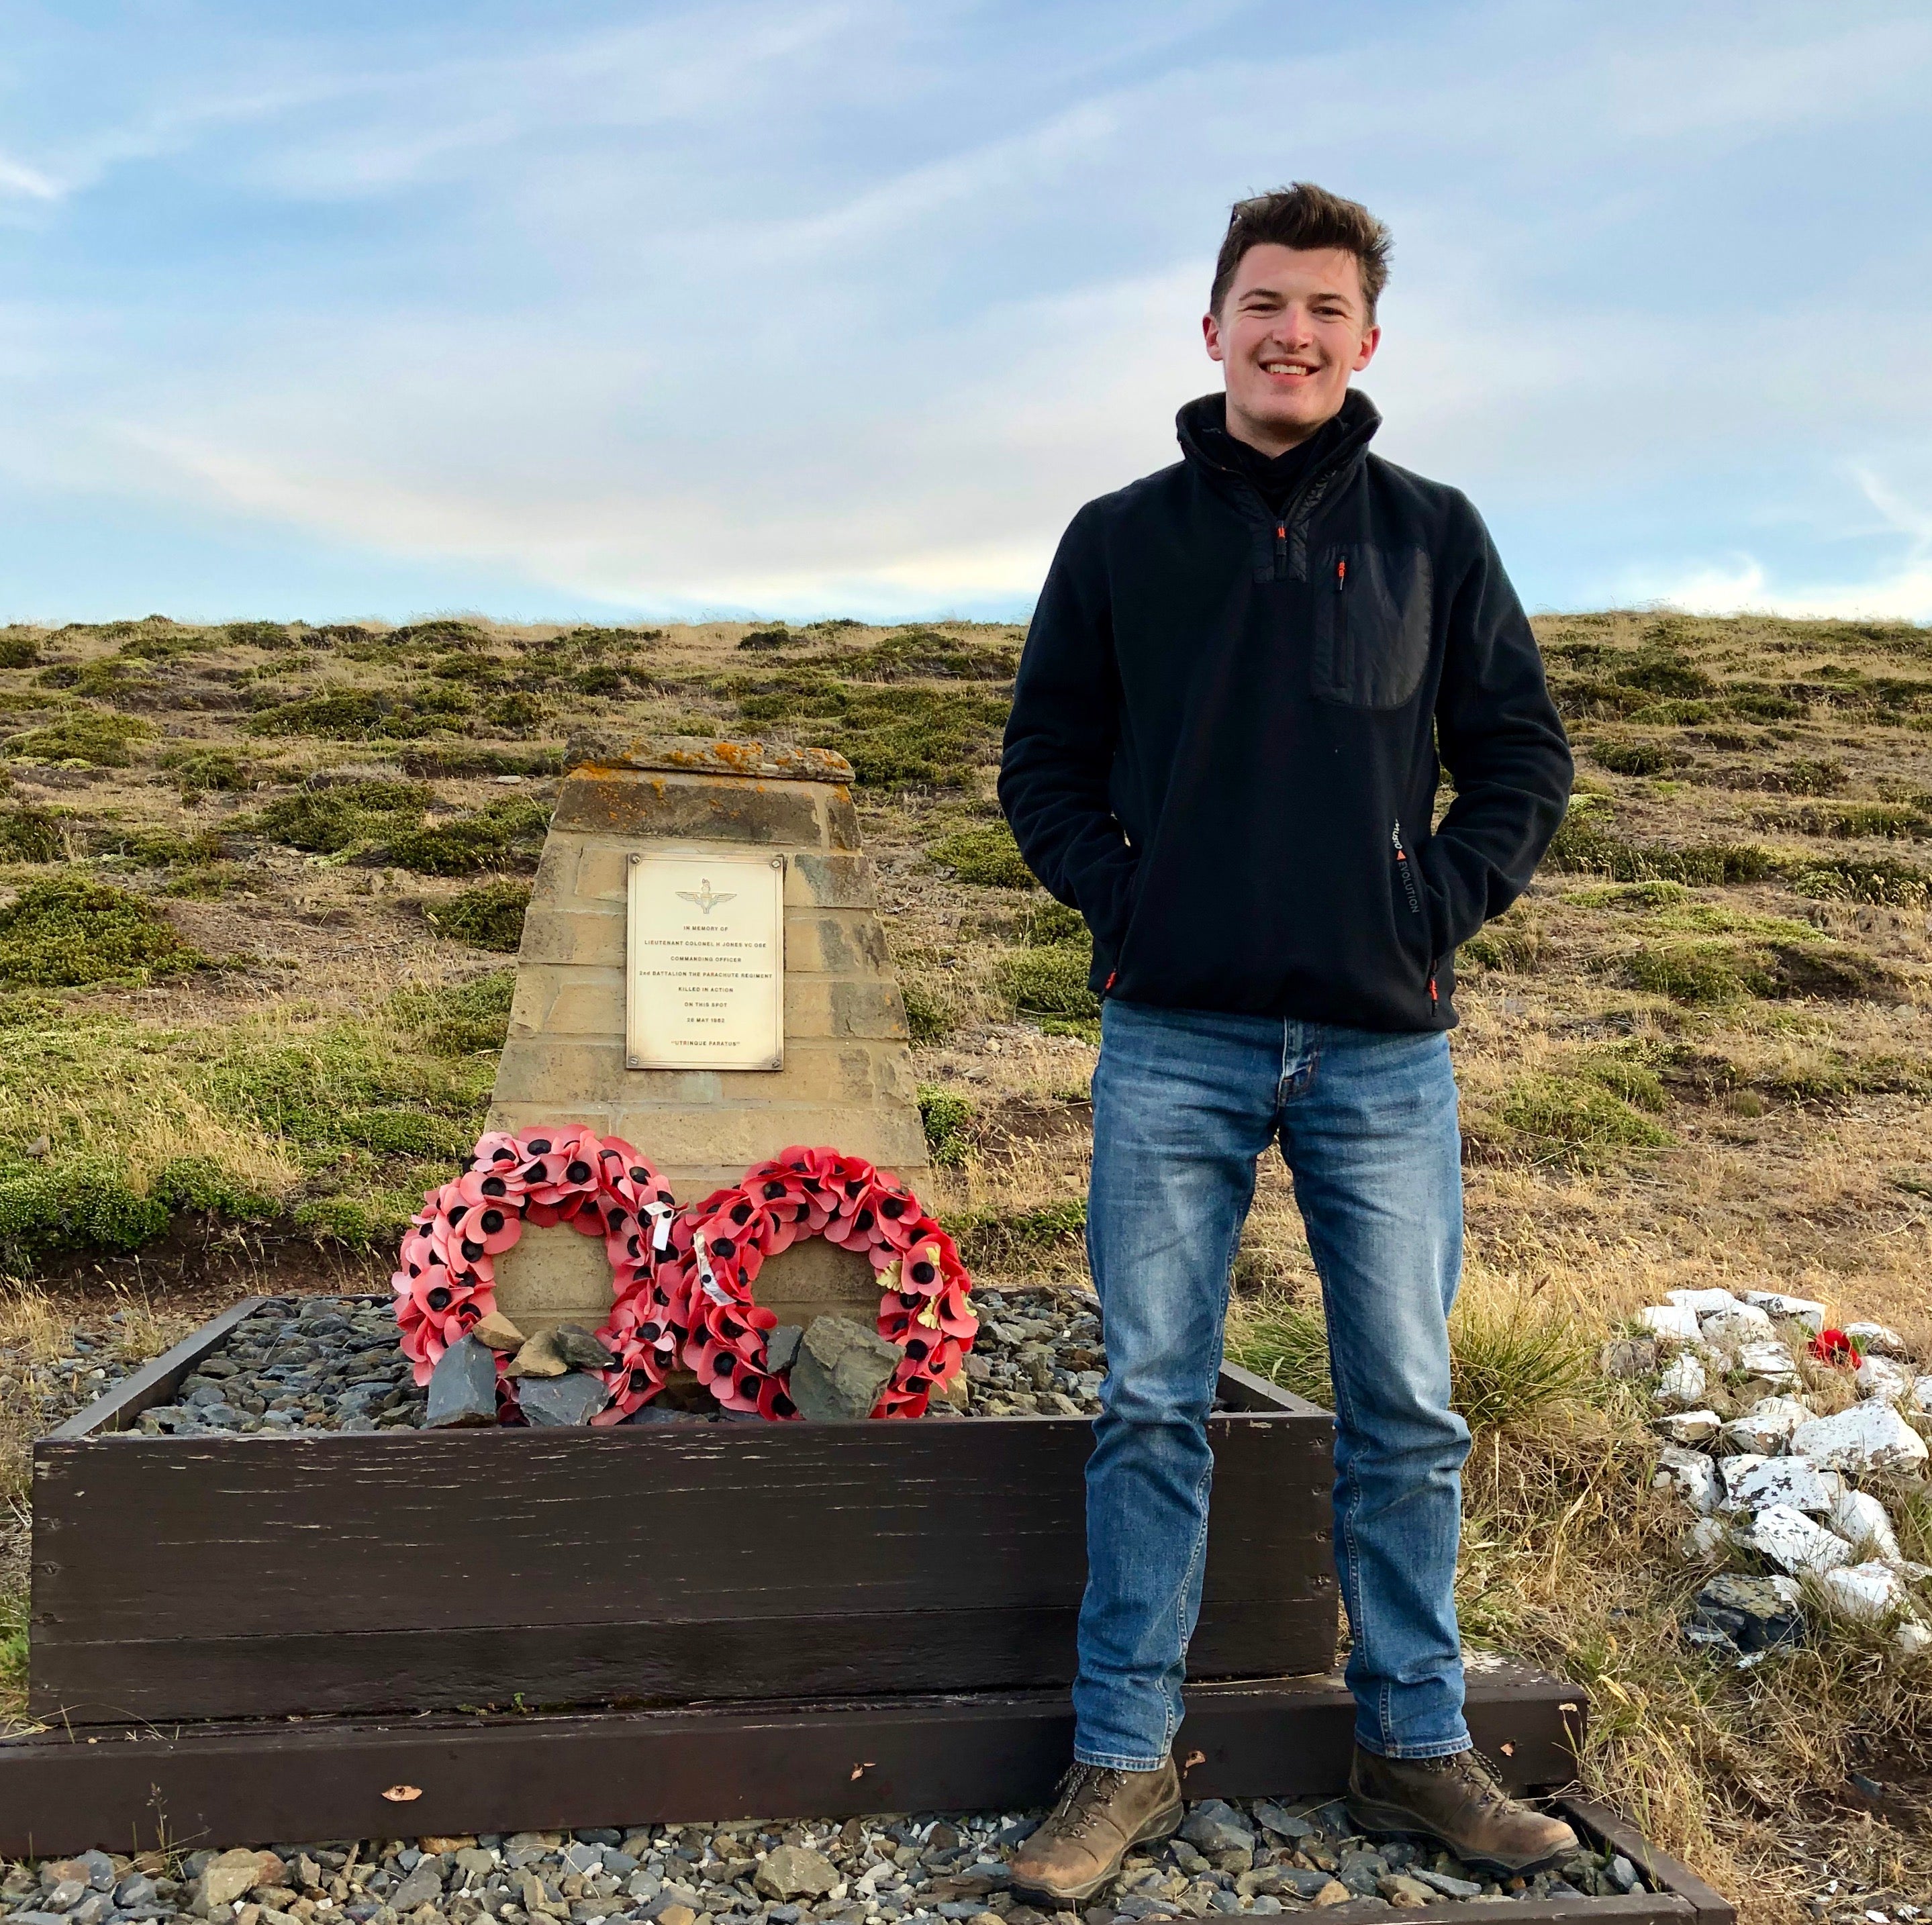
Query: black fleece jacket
[1223, 748]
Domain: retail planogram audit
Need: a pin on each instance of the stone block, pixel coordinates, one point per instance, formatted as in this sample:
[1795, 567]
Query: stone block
[559, 1077]
[707, 809]
[567, 1002]
[829, 882]
[827, 1006]
[553, 1276]
[595, 938]
[734, 1136]
[842, 820]
[836, 943]
[818, 1279]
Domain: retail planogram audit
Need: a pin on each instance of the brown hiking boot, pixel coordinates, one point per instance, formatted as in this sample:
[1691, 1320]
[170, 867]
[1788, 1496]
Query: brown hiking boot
[1097, 1817]
[1459, 1802]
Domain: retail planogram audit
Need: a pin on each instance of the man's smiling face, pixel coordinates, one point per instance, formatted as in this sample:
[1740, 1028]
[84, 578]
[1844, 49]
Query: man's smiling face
[1293, 327]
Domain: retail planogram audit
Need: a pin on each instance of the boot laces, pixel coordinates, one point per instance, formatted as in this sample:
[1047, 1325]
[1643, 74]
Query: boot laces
[1478, 1766]
[1083, 1797]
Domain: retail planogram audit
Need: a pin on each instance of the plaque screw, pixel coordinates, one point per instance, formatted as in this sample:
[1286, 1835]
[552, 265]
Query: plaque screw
[634, 1062]
[635, 856]
[778, 861]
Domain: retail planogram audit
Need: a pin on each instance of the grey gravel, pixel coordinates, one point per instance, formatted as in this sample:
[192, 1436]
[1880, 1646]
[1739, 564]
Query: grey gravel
[873, 1871]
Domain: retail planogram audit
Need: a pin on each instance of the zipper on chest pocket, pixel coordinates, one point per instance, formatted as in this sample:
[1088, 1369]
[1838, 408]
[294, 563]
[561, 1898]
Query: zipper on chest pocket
[1406, 870]
[1281, 551]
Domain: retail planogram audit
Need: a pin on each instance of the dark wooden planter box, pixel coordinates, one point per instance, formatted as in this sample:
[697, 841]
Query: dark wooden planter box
[242, 1639]
[267, 1576]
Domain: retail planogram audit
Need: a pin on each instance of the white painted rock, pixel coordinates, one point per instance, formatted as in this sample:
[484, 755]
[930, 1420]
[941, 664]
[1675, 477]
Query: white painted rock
[1870, 1436]
[1683, 1385]
[1876, 1338]
[1701, 1541]
[1789, 1538]
[1701, 1302]
[1879, 1377]
[1867, 1592]
[1921, 1396]
[1693, 1474]
[1690, 1426]
[1669, 1320]
[1729, 1330]
[1795, 1481]
[1775, 1303]
[1733, 1471]
[1911, 1640]
[1767, 1425]
[1860, 1519]
[1772, 1360]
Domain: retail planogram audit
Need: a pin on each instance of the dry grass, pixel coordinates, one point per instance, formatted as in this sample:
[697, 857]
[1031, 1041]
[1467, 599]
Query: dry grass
[1639, 1117]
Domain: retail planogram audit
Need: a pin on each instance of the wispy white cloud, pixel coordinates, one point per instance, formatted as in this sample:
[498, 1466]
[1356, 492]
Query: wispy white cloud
[848, 306]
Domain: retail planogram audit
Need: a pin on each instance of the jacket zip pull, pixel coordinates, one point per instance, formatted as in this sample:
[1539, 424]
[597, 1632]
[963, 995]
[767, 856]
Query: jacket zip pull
[1280, 550]
[1432, 989]
[1341, 574]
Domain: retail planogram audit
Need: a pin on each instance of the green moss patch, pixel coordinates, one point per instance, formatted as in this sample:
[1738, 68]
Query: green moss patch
[30, 835]
[1576, 1120]
[326, 821]
[1001, 1238]
[97, 737]
[949, 1118]
[70, 931]
[490, 916]
[1049, 982]
[987, 856]
[506, 835]
[197, 771]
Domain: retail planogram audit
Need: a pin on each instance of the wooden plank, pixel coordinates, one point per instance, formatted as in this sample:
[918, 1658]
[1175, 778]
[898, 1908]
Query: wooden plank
[1708, 1905]
[622, 1665]
[154, 1382]
[63, 1792]
[433, 1530]
[1244, 1390]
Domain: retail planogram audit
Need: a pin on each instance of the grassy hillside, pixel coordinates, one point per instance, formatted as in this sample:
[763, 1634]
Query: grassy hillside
[259, 885]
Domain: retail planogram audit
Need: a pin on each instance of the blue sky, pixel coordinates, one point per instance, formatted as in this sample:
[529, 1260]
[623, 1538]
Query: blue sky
[833, 306]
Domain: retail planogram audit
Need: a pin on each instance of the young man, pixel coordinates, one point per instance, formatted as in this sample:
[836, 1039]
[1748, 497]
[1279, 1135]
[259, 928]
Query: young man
[1223, 753]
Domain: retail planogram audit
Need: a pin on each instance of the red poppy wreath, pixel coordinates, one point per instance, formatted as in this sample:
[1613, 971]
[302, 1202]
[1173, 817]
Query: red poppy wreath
[446, 1280]
[718, 1247]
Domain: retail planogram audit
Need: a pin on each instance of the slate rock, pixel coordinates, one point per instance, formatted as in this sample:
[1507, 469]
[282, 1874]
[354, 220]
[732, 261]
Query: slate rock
[781, 1346]
[463, 1388]
[422, 1887]
[538, 1358]
[136, 1889]
[841, 1368]
[1215, 1826]
[1751, 1613]
[580, 1349]
[554, 1403]
[1282, 1824]
[1440, 1881]
[795, 1871]
[661, 1413]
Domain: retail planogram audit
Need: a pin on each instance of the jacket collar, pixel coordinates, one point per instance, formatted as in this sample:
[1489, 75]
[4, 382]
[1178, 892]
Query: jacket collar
[1202, 428]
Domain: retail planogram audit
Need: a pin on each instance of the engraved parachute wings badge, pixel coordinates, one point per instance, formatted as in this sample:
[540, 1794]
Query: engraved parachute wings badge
[706, 897]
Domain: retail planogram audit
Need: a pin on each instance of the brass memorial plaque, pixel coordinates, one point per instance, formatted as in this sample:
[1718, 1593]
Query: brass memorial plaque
[705, 963]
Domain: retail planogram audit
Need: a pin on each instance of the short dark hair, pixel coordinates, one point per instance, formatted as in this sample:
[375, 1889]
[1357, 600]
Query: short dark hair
[1303, 215]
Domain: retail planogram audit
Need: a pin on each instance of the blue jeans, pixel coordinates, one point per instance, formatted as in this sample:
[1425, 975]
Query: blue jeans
[1184, 1102]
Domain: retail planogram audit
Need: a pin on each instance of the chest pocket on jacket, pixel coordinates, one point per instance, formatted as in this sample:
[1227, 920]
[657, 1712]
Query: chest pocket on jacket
[1372, 608]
